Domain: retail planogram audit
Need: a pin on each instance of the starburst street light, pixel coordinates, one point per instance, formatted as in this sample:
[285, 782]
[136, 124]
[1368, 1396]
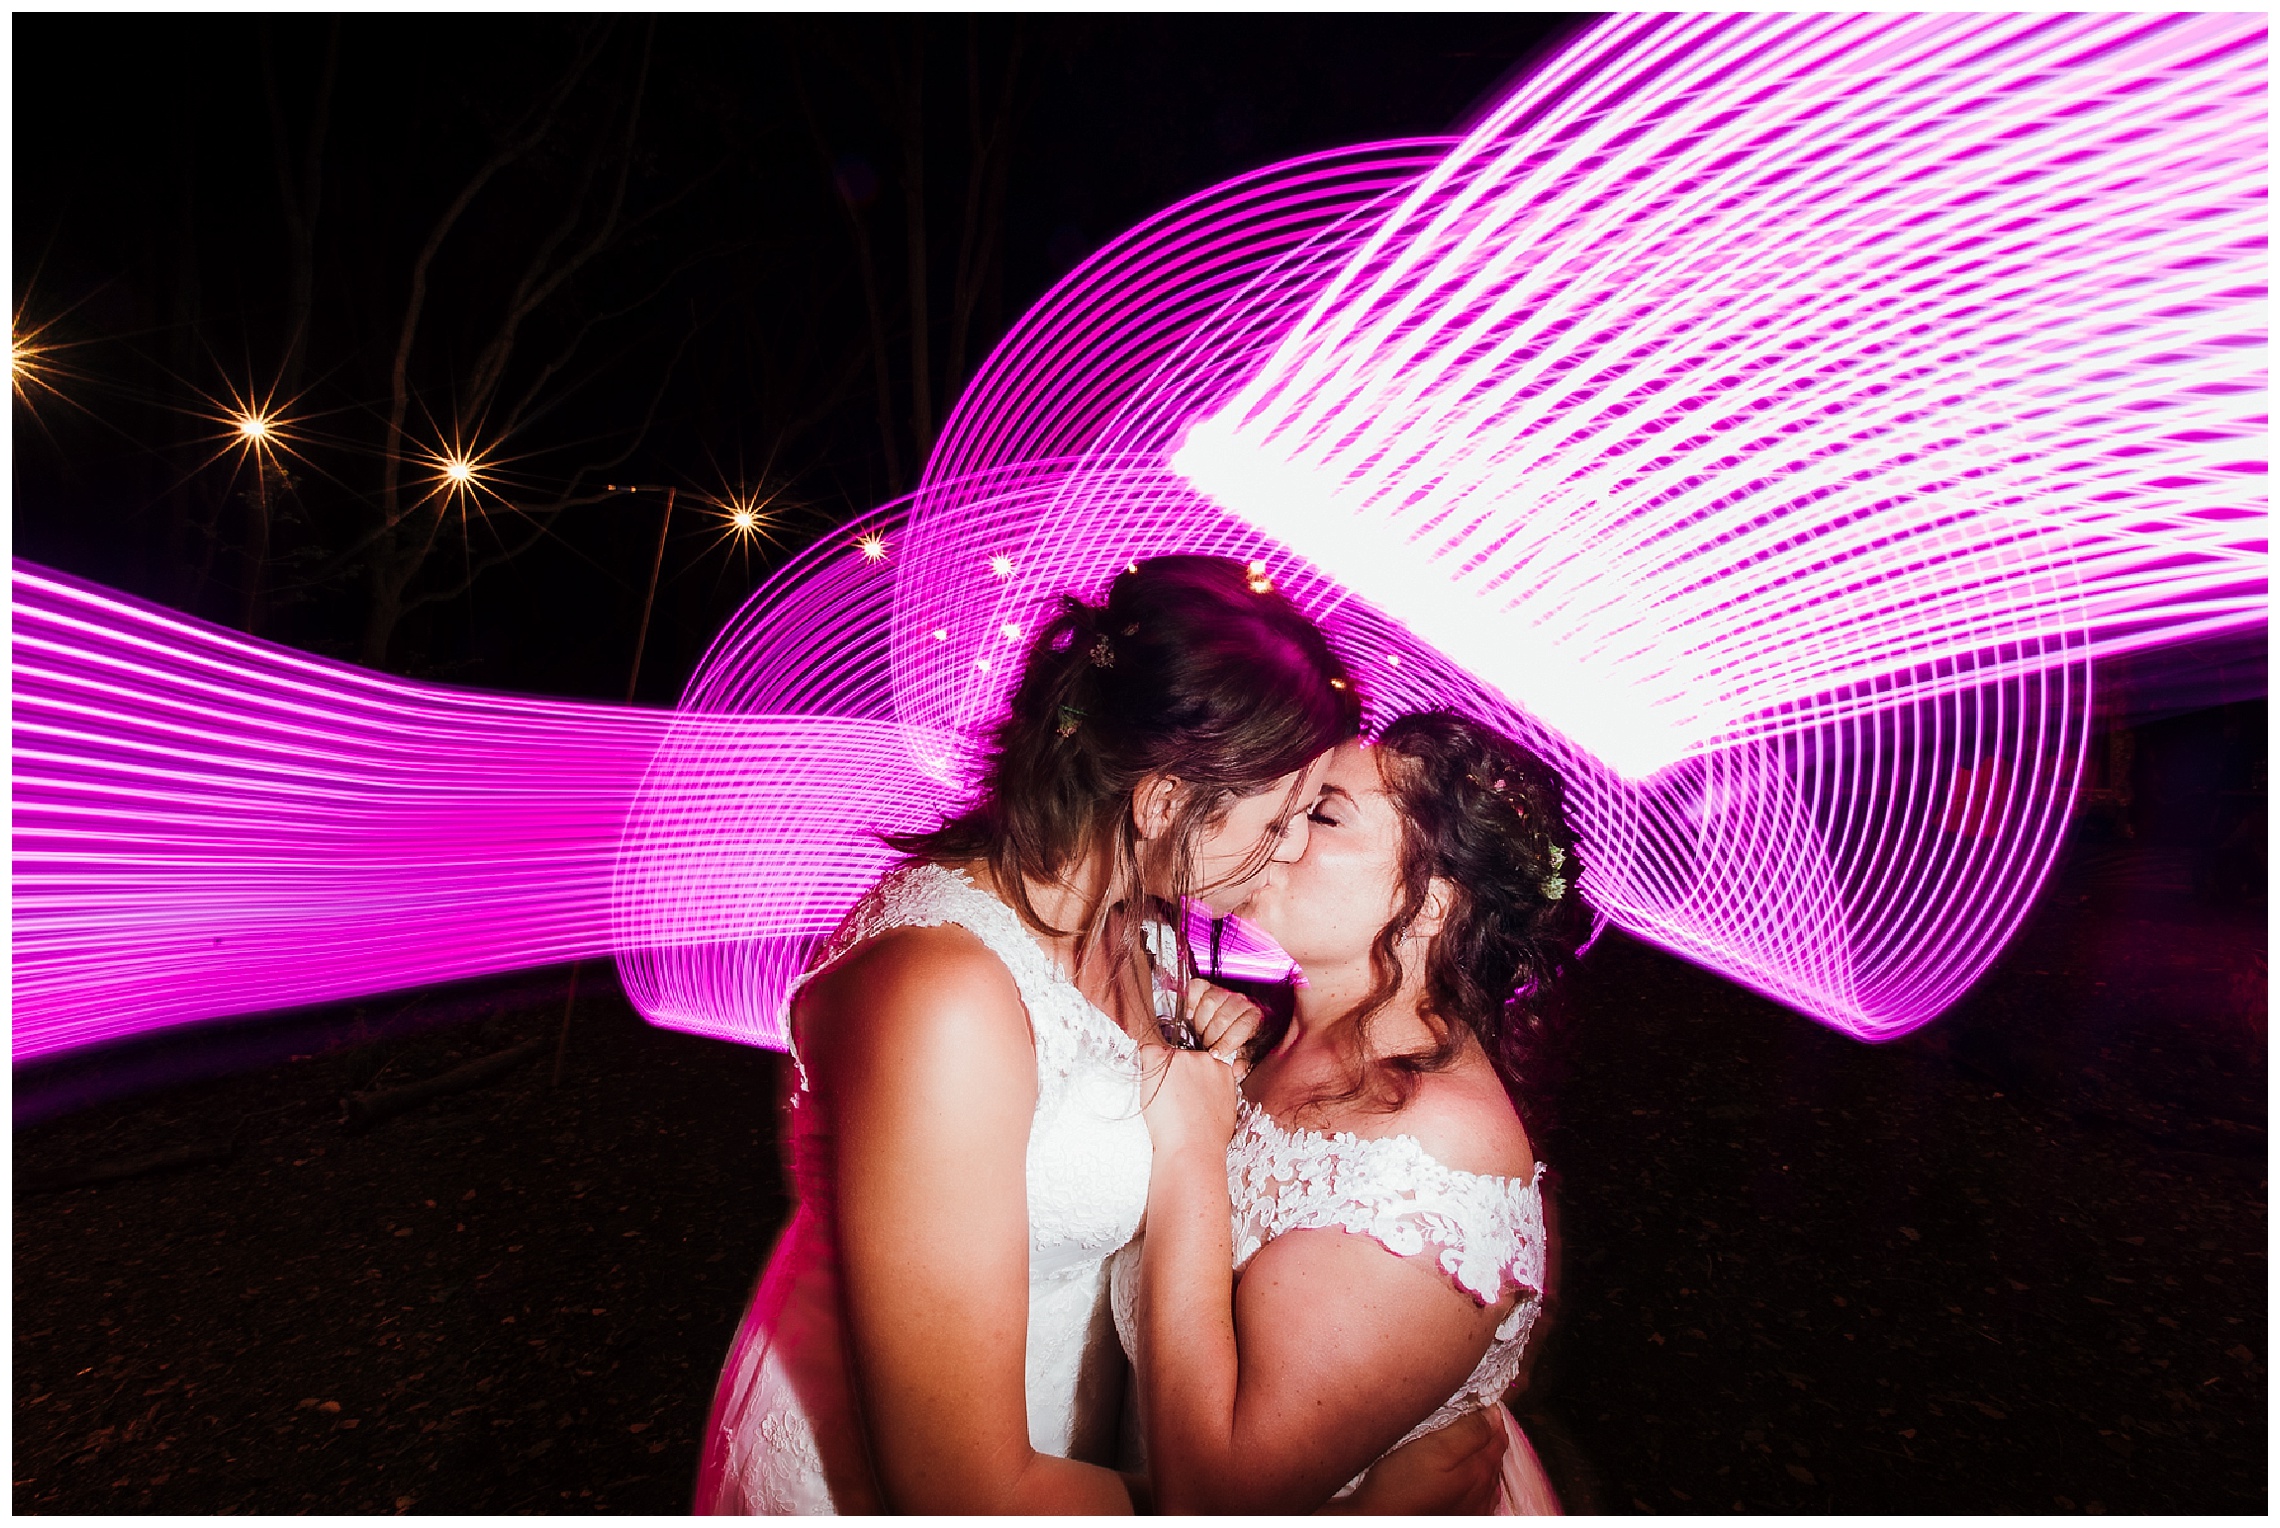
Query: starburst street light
[743, 515]
[872, 545]
[31, 365]
[460, 474]
[253, 426]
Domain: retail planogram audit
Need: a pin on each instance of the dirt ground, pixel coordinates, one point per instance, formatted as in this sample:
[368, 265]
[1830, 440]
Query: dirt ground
[2014, 1263]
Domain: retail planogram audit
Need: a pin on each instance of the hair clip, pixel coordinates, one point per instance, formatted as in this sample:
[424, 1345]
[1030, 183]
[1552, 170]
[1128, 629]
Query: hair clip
[1554, 887]
[1070, 716]
[1558, 855]
[1103, 655]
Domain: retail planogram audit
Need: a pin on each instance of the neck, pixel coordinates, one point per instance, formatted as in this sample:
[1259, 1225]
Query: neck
[1065, 905]
[1324, 1013]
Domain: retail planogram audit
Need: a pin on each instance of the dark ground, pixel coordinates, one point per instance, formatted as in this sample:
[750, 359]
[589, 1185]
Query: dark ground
[2014, 1263]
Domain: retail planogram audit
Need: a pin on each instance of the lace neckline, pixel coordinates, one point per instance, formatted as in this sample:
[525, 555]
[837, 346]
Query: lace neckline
[1020, 939]
[1253, 1118]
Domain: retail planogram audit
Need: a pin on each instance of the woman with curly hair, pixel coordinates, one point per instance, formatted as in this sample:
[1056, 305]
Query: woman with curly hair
[1360, 1264]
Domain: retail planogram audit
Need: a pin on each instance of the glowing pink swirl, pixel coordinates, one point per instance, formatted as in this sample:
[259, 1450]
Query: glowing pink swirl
[1768, 416]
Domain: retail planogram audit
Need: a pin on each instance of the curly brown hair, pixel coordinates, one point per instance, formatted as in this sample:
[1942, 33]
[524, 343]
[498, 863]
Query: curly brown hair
[1486, 816]
[1194, 668]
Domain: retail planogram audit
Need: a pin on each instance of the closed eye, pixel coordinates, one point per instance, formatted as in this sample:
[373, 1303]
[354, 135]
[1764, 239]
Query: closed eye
[1322, 818]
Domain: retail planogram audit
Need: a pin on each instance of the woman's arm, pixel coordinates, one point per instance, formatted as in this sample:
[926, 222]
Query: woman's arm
[1330, 1349]
[919, 1048]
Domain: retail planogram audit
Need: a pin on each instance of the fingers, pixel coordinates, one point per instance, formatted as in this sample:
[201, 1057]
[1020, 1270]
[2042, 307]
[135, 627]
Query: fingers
[1226, 1022]
[1486, 1462]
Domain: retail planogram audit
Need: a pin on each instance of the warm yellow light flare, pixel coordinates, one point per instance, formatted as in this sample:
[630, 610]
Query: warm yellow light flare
[253, 429]
[1002, 565]
[28, 365]
[459, 470]
[743, 515]
[872, 545]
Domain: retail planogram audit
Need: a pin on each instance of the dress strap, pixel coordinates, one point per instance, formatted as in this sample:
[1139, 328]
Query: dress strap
[1485, 1232]
[926, 895]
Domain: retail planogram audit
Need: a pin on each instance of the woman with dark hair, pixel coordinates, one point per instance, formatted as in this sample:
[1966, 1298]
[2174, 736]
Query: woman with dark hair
[967, 1138]
[1379, 1204]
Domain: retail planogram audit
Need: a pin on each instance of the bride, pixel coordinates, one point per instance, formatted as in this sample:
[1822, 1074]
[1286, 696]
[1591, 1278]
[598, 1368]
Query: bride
[968, 1147]
[1360, 1264]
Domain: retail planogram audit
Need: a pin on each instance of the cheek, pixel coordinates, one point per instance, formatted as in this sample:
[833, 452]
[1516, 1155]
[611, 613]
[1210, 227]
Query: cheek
[1328, 888]
[1237, 842]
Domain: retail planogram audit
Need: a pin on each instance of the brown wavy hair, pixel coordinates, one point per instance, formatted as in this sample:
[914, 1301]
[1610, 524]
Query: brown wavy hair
[1192, 668]
[1487, 816]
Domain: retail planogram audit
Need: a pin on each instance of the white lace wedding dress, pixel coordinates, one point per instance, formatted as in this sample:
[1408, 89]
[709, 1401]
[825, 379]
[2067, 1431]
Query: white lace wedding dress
[785, 1434]
[1485, 1233]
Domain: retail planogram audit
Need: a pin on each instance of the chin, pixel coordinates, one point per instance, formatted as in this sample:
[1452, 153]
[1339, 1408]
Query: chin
[1259, 912]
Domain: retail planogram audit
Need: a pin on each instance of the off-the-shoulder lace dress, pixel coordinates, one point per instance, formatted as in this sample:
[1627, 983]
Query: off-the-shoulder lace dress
[785, 1434]
[1485, 1233]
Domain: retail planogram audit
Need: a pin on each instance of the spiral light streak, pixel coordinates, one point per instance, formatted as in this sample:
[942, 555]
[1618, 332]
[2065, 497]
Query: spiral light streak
[1692, 409]
[1768, 417]
[207, 825]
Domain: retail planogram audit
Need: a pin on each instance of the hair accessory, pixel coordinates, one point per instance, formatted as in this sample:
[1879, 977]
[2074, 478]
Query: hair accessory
[1070, 716]
[1132, 630]
[1497, 789]
[1103, 656]
[1559, 856]
[1554, 887]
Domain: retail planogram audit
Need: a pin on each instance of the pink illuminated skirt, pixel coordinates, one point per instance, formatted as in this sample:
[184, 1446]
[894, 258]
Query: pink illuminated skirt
[1525, 1491]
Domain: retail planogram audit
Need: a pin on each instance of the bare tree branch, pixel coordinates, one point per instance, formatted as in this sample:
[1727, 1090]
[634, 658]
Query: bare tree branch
[572, 499]
[912, 100]
[537, 400]
[301, 196]
[886, 405]
[989, 155]
[540, 120]
[536, 288]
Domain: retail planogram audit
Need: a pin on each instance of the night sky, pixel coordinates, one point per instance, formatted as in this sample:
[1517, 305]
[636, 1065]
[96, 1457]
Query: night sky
[191, 193]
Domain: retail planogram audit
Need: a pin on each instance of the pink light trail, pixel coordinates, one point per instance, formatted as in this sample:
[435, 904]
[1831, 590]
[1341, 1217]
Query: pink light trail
[1770, 417]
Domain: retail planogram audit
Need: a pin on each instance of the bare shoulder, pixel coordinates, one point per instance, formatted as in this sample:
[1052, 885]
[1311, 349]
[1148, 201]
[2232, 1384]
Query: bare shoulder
[1464, 1120]
[908, 991]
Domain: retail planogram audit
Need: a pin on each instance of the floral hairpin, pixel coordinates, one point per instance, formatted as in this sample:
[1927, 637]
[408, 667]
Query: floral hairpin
[1070, 716]
[1555, 885]
[1103, 655]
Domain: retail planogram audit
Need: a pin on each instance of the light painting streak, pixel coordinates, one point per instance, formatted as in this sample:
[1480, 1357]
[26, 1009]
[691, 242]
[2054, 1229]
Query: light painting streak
[1767, 417]
[1690, 408]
